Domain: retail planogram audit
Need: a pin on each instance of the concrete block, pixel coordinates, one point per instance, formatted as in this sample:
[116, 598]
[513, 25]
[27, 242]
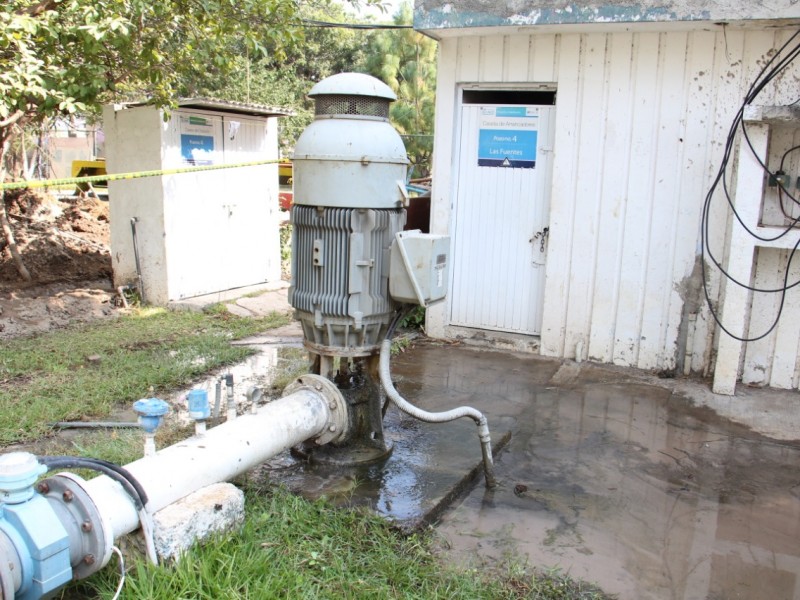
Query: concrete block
[216, 508]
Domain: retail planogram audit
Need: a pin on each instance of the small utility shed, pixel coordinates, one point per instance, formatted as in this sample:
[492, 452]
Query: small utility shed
[575, 143]
[196, 233]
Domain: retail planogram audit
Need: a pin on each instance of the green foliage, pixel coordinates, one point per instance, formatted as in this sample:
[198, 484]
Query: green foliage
[289, 547]
[551, 584]
[406, 61]
[414, 319]
[64, 56]
[283, 78]
[50, 378]
[285, 236]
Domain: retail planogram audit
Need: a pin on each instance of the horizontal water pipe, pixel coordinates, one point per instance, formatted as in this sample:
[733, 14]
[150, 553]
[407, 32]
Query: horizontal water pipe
[218, 455]
[439, 417]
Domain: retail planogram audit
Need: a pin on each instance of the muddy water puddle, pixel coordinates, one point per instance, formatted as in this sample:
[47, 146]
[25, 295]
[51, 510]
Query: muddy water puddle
[427, 467]
[622, 483]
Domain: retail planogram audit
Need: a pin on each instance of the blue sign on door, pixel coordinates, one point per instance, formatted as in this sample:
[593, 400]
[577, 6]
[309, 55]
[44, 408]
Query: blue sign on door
[197, 149]
[507, 137]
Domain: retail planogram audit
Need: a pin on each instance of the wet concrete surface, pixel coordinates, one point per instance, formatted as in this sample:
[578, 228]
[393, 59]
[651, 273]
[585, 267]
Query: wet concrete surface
[612, 475]
[619, 478]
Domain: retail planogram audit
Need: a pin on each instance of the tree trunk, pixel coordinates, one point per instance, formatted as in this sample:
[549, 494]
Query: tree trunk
[4, 224]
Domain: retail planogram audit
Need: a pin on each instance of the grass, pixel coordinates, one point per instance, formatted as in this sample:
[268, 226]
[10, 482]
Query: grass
[291, 548]
[88, 371]
[288, 547]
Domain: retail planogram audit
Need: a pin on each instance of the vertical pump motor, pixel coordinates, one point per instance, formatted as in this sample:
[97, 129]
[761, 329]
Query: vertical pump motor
[349, 202]
[353, 266]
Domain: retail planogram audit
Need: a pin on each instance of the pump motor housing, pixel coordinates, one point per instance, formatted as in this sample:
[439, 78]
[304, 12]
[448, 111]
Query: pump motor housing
[349, 203]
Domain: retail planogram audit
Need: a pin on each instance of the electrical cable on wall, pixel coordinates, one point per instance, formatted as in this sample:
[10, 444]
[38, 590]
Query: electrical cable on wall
[367, 26]
[782, 189]
[771, 69]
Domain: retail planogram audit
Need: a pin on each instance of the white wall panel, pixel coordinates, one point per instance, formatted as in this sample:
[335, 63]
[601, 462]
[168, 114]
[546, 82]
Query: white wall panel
[641, 120]
[588, 177]
[543, 59]
[618, 97]
[562, 206]
[491, 56]
[644, 123]
[694, 170]
[517, 57]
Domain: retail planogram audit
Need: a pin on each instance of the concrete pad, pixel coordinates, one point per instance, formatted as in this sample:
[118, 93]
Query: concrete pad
[263, 304]
[274, 294]
[652, 488]
[213, 509]
[288, 336]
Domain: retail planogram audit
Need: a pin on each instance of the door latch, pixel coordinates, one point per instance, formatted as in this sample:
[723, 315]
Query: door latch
[540, 237]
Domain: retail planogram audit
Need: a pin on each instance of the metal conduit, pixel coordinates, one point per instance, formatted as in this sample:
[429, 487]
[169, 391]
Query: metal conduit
[439, 417]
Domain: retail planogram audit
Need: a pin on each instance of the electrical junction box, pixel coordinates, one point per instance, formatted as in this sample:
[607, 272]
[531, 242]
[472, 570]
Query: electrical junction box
[419, 267]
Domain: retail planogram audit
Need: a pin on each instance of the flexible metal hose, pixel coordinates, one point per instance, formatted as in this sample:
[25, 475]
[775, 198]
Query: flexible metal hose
[439, 417]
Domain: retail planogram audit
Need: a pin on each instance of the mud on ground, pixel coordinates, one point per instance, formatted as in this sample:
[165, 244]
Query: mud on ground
[64, 243]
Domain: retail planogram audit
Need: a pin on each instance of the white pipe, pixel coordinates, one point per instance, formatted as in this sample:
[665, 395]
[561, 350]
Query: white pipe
[438, 417]
[218, 455]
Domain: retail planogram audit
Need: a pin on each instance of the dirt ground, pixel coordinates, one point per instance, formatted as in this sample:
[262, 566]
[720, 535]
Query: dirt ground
[64, 243]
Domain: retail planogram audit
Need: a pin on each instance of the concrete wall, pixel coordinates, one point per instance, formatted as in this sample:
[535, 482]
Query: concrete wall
[437, 16]
[641, 123]
[133, 143]
[64, 150]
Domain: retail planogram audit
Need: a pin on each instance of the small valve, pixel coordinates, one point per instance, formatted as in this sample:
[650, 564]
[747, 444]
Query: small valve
[151, 411]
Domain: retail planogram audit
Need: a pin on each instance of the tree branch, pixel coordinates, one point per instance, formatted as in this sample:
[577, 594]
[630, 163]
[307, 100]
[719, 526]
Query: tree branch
[13, 118]
[40, 7]
[5, 226]
[10, 241]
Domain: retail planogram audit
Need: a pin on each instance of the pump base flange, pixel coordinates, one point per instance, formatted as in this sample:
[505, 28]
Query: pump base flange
[342, 456]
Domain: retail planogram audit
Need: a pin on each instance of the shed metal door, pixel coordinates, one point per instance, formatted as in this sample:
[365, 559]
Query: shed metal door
[249, 225]
[191, 204]
[222, 225]
[501, 214]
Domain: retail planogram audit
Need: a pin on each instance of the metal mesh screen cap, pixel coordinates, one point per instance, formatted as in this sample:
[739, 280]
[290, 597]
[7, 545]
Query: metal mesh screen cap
[365, 106]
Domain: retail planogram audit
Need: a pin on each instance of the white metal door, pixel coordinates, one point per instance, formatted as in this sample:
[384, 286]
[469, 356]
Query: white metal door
[191, 204]
[501, 216]
[250, 227]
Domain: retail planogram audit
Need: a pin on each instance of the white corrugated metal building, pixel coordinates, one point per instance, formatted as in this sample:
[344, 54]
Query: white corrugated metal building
[616, 116]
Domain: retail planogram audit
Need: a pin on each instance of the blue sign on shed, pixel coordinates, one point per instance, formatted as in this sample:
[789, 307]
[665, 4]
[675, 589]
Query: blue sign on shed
[507, 137]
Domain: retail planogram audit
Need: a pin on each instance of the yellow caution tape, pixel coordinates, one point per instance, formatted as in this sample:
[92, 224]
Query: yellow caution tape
[42, 183]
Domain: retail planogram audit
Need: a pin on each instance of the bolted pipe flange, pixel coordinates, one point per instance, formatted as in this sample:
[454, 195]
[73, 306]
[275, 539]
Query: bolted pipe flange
[337, 425]
[84, 524]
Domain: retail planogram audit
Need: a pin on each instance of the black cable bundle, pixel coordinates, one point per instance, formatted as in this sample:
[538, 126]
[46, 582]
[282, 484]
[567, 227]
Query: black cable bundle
[777, 63]
[119, 474]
